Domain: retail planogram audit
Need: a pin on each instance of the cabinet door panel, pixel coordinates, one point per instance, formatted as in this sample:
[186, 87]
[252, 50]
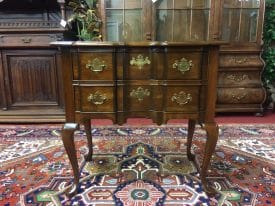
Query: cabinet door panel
[32, 78]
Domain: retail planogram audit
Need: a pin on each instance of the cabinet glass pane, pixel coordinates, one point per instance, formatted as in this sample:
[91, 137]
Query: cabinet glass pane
[181, 26]
[132, 30]
[164, 4]
[180, 4]
[251, 4]
[168, 22]
[230, 24]
[164, 25]
[133, 4]
[201, 4]
[199, 29]
[248, 31]
[114, 4]
[232, 3]
[114, 22]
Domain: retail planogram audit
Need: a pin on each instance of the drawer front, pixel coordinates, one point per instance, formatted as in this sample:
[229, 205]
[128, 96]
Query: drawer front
[28, 39]
[240, 96]
[237, 60]
[183, 65]
[94, 99]
[93, 66]
[142, 64]
[182, 99]
[239, 78]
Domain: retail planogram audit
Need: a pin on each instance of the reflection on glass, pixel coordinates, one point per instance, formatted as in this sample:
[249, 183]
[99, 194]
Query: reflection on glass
[240, 24]
[230, 25]
[178, 21]
[113, 20]
[132, 29]
[199, 29]
[248, 26]
[164, 25]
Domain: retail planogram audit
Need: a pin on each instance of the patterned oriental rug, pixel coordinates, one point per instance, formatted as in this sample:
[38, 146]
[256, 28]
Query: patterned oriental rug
[137, 166]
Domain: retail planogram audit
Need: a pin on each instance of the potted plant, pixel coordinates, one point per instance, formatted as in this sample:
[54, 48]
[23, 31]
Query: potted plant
[85, 18]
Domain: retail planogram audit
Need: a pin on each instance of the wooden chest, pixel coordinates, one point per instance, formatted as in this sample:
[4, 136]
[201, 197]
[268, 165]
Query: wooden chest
[157, 80]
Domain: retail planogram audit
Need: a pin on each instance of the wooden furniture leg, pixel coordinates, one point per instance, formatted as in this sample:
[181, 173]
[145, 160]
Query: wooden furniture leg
[87, 126]
[191, 129]
[212, 137]
[68, 142]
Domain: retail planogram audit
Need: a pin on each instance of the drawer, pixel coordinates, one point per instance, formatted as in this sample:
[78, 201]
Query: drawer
[237, 60]
[141, 97]
[239, 77]
[184, 65]
[93, 66]
[144, 64]
[240, 96]
[28, 39]
[94, 99]
[182, 99]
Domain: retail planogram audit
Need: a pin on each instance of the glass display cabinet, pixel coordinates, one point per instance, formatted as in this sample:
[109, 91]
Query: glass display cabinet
[238, 22]
[138, 20]
[240, 86]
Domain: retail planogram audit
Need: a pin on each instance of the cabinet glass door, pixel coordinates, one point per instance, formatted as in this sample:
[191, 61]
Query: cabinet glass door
[178, 20]
[240, 20]
[124, 20]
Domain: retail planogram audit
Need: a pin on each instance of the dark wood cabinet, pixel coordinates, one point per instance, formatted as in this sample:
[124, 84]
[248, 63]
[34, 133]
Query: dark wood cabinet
[31, 85]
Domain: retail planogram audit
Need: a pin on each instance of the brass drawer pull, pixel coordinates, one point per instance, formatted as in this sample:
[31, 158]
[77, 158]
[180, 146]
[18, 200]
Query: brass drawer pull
[140, 61]
[140, 93]
[237, 77]
[26, 40]
[181, 98]
[183, 65]
[96, 65]
[239, 97]
[97, 98]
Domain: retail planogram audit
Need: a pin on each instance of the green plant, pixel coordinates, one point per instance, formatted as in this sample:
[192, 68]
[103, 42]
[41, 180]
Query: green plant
[87, 21]
[269, 43]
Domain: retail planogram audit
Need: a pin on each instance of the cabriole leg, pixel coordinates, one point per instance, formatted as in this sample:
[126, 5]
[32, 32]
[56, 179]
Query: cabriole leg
[68, 142]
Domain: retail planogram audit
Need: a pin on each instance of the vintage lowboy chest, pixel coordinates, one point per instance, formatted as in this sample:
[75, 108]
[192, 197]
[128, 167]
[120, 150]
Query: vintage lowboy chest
[157, 80]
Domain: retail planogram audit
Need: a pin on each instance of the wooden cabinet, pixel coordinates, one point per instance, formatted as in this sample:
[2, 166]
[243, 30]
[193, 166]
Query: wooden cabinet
[31, 86]
[156, 80]
[238, 22]
[240, 86]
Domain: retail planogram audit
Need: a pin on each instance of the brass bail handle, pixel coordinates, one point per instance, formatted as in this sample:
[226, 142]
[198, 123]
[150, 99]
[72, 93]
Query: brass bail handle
[96, 65]
[140, 61]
